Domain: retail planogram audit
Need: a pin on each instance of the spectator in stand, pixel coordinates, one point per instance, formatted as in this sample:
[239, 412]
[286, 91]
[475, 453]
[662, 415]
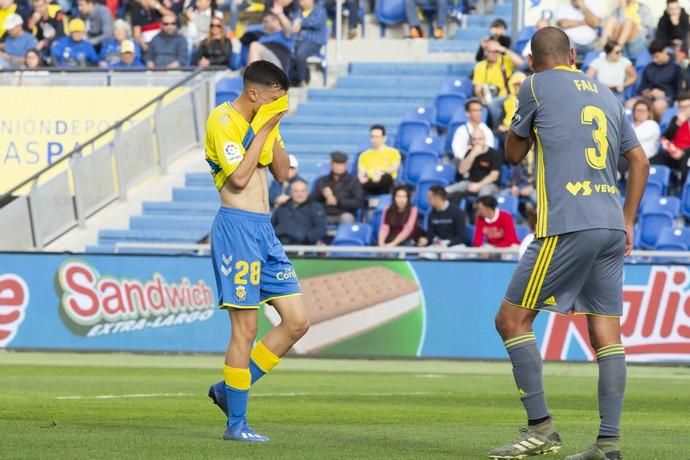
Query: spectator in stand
[527, 50]
[47, 23]
[309, 26]
[509, 108]
[480, 170]
[675, 143]
[497, 31]
[493, 226]
[110, 49]
[660, 80]
[647, 130]
[216, 49]
[446, 223]
[99, 22]
[461, 139]
[613, 70]
[673, 28]
[9, 7]
[300, 220]
[413, 17]
[630, 25]
[352, 9]
[275, 45]
[128, 56]
[377, 167]
[279, 192]
[199, 21]
[491, 76]
[580, 20]
[168, 49]
[340, 192]
[73, 50]
[399, 220]
[17, 43]
[146, 20]
[32, 60]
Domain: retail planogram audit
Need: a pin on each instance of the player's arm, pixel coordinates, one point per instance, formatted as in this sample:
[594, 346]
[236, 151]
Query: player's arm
[519, 139]
[280, 166]
[245, 170]
[637, 181]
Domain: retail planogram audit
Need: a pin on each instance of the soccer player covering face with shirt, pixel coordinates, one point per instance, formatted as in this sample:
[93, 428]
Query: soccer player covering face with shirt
[251, 268]
[582, 236]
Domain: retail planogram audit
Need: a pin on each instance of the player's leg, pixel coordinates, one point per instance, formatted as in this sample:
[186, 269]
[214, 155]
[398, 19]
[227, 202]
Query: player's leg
[602, 299]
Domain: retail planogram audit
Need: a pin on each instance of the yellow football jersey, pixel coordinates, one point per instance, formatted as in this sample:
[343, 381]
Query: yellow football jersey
[228, 136]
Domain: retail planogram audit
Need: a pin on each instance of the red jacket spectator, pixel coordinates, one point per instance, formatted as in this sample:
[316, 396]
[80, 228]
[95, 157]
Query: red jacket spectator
[494, 225]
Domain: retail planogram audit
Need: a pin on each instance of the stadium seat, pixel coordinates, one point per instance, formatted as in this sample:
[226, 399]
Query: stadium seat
[446, 106]
[353, 235]
[673, 239]
[469, 234]
[459, 119]
[427, 144]
[667, 117]
[508, 203]
[227, 89]
[661, 175]
[522, 231]
[416, 163]
[459, 86]
[685, 200]
[416, 123]
[440, 171]
[390, 13]
[651, 225]
[589, 57]
[664, 204]
[375, 219]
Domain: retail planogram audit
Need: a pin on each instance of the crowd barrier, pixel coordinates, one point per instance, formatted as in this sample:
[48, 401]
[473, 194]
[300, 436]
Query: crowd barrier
[358, 308]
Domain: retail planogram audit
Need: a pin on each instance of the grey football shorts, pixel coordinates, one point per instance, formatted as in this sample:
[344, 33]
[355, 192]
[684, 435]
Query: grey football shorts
[580, 271]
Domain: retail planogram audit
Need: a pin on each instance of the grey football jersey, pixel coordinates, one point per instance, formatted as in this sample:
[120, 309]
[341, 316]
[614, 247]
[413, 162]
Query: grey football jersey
[580, 130]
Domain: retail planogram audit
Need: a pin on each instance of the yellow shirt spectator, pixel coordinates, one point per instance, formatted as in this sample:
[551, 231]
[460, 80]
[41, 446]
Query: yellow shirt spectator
[510, 104]
[493, 73]
[375, 162]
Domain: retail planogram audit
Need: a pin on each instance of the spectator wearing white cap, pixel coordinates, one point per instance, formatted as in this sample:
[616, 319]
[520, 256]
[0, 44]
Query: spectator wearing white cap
[279, 192]
[110, 49]
[17, 43]
[128, 57]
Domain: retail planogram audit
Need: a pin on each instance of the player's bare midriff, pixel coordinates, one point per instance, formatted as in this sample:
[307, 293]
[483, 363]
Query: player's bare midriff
[253, 198]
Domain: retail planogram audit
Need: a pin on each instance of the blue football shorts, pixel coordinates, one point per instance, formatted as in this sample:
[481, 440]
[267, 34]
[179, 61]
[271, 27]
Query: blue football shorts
[249, 262]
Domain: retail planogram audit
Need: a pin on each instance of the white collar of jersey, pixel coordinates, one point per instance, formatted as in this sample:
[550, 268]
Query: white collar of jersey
[494, 219]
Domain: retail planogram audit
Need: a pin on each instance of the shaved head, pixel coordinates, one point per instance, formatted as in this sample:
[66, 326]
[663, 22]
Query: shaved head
[550, 48]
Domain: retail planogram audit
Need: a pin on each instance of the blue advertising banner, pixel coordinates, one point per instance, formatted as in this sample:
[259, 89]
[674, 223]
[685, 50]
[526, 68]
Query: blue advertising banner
[356, 308]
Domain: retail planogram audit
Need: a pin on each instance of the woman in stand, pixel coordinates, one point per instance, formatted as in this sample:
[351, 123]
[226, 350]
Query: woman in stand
[399, 220]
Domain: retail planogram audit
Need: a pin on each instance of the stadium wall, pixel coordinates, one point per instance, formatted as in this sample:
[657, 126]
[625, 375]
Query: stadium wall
[359, 308]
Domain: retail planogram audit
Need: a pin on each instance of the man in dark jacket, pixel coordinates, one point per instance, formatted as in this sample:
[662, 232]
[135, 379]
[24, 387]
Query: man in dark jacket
[673, 27]
[660, 80]
[169, 47]
[340, 192]
[446, 225]
[300, 220]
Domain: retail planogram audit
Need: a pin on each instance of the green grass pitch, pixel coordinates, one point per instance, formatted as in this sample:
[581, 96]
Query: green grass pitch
[315, 409]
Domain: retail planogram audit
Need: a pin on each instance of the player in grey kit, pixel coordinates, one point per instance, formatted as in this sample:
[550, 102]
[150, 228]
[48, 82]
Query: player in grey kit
[576, 261]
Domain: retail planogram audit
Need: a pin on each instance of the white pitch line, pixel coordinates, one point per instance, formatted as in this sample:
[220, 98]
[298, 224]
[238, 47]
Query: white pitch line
[257, 395]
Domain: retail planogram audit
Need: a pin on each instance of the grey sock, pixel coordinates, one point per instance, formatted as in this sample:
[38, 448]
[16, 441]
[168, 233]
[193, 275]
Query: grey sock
[612, 374]
[527, 365]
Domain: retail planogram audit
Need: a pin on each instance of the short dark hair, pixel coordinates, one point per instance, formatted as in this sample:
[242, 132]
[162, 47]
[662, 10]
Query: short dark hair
[488, 200]
[499, 23]
[439, 191]
[657, 46]
[668, 2]
[265, 73]
[381, 127]
[299, 179]
[472, 100]
[610, 46]
[549, 43]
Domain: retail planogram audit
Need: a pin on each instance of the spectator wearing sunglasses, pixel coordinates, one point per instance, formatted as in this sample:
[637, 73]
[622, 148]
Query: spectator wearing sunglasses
[216, 49]
[168, 49]
[613, 69]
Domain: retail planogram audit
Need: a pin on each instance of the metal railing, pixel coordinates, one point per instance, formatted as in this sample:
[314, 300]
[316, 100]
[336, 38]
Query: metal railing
[431, 252]
[92, 175]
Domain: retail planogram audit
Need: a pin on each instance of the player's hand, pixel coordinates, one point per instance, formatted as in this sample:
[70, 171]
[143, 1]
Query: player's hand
[270, 124]
[629, 237]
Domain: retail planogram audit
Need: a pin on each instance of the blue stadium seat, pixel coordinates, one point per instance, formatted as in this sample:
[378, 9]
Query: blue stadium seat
[522, 231]
[353, 235]
[685, 200]
[416, 123]
[661, 175]
[459, 86]
[420, 196]
[673, 239]
[416, 163]
[440, 171]
[227, 89]
[651, 225]
[665, 204]
[446, 106]
[667, 117]
[523, 37]
[508, 203]
[427, 114]
[390, 13]
[589, 57]
[375, 218]
[641, 60]
[427, 144]
[469, 234]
